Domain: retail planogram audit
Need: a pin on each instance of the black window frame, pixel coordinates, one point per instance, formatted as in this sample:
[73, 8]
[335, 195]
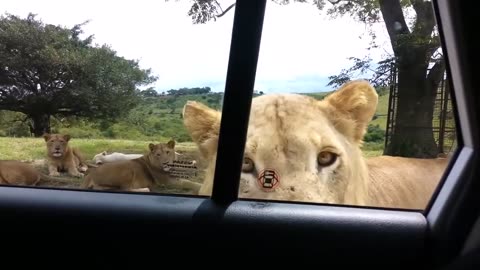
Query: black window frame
[441, 228]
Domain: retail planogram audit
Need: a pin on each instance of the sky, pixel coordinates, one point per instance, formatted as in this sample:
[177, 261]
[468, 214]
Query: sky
[300, 46]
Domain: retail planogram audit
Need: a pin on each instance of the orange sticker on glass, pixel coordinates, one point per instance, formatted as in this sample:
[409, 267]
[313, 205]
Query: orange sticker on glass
[268, 179]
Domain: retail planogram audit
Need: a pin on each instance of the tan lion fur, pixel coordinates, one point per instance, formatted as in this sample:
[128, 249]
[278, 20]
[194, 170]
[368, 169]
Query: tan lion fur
[404, 182]
[286, 132]
[139, 174]
[17, 173]
[63, 158]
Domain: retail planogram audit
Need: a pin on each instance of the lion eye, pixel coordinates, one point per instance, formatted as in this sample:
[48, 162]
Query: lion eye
[326, 158]
[248, 165]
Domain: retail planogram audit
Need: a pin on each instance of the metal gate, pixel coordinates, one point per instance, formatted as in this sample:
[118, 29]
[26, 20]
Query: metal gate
[443, 120]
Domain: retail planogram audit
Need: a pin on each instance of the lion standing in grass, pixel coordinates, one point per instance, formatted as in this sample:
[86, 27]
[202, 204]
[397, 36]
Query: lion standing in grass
[63, 158]
[302, 149]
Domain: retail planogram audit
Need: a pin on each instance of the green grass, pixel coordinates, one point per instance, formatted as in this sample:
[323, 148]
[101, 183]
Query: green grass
[382, 107]
[372, 149]
[373, 153]
[319, 95]
[382, 110]
[28, 149]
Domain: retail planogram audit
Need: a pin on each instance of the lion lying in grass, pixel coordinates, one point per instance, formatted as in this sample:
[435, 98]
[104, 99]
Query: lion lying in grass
[141, 173]
[63, 158]
[302, 149]
[105, 157]
[17, 173]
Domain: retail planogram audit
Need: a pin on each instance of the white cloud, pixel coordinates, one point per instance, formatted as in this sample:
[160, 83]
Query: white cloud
[298, 42]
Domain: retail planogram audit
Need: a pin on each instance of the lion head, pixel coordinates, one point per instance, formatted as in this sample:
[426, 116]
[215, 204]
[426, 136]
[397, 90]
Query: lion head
[298, 148]
[57, 144]
[99, 158]
[161, 154]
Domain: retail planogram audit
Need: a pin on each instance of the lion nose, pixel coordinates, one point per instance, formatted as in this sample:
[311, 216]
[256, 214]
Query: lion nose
[57, 148]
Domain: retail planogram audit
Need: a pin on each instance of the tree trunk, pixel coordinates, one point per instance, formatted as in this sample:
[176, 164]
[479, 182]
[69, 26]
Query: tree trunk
[413, 135]
[41, 124]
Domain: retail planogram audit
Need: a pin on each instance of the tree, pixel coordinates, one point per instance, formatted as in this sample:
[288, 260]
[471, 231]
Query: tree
[417, 59]
[48, 70]
[150, 92]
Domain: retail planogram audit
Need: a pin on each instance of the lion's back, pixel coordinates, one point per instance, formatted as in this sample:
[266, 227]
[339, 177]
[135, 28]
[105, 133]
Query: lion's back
[115, 172]
[17, 172]
[403, 182]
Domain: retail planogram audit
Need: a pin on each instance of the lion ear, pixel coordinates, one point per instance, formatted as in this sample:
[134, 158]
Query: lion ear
[171, 144]
[151, 146]
[352, 107]
[203, 125]
[46, 136]
[67, 137]
[104, 153]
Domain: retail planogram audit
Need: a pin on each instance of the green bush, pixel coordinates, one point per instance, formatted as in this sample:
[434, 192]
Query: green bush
[383, 91]
[124, 131]
[374, 134]
[81, 132]
[18, 129]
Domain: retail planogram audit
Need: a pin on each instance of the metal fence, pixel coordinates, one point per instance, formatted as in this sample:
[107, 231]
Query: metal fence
[443, 122]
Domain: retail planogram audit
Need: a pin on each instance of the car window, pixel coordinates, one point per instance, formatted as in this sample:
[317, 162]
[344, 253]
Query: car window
[352, 102]
[93, 99]
[351, 105]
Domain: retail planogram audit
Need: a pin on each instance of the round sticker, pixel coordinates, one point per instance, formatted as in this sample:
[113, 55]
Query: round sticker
[268, 179]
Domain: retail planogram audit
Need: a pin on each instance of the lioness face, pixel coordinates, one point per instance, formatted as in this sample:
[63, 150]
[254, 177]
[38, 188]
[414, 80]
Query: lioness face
[298, 148]
[292, 139]
[56, 144]
[162, 153]
[98, 158]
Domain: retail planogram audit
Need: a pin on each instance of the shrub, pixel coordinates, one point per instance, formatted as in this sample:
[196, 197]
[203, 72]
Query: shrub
[374, 134]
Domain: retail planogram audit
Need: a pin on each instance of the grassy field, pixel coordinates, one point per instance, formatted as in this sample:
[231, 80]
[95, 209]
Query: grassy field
[372, 149]
[382, 108]
[31, 149]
